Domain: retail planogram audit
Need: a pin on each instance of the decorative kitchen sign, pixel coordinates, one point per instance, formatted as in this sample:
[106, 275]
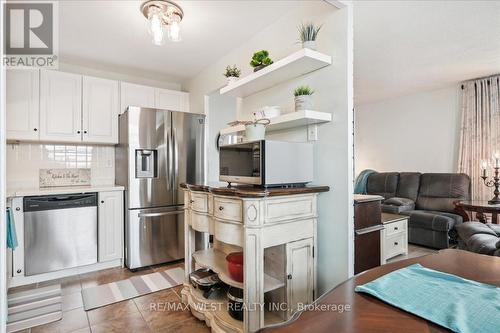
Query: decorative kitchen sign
[64, 177]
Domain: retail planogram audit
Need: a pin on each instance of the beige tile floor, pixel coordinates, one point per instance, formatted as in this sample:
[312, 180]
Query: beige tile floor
[134, 316]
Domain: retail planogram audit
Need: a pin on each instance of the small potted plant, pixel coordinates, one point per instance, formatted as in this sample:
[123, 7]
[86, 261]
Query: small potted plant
[232, 74]
[260, 60]
[308, 33]
[303, 98]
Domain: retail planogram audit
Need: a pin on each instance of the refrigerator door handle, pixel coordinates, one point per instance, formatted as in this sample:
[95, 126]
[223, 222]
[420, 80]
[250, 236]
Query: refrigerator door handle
[176, 157]
[175, 212]
[370, 229]
[170, 182]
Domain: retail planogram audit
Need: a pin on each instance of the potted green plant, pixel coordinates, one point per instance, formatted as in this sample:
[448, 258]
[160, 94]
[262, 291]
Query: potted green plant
[260, 60]
[232, 74]
[303, 98]
[308, 33]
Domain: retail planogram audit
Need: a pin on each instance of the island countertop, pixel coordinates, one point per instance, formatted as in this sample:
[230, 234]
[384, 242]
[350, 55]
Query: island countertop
[249, 191]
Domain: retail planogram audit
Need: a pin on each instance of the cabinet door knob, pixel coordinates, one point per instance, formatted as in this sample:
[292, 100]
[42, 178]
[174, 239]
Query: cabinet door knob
[19, 271]
[289, 276]
[35, 129]
[396, 243]
[191, 201]
[78, 132]
[102, 201]
[84, 132]
[396, 228]
[221, 208]
[18, 209]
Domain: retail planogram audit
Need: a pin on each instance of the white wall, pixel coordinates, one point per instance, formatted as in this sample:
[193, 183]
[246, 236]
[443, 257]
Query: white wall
[419, 132]
[333, 151]
[221, 110]
[121, 75]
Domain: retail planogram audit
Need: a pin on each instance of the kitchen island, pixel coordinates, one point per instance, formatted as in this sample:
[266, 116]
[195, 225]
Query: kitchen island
[275, 228]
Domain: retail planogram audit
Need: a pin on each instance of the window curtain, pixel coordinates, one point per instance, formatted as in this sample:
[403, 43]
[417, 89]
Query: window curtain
[480, 131]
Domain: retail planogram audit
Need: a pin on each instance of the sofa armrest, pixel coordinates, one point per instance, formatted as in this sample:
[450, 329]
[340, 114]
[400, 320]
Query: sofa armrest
[398, 205]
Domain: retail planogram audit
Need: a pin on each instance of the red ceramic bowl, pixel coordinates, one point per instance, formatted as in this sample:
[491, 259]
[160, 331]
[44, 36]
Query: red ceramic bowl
[235, 265]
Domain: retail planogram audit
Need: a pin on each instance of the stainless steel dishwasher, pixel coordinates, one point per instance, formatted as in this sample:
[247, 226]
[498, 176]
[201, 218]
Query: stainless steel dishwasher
[60, 231]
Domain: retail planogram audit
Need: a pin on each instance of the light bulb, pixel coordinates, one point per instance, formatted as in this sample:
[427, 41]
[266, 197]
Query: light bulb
[174, 31]
[158, 38]
[154, 22]
[155, 26]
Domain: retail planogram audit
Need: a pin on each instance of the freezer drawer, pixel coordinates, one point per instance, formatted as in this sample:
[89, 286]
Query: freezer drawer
[154, 236]
[59, 239]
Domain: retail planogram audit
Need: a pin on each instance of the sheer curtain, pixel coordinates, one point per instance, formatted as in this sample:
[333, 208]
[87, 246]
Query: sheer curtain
[480, 131]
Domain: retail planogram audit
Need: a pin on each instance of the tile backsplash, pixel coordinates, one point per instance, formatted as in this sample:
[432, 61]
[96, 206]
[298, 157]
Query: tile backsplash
[24, 160]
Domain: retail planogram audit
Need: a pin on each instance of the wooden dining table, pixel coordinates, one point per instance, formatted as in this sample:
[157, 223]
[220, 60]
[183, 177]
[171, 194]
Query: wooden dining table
[368, 314]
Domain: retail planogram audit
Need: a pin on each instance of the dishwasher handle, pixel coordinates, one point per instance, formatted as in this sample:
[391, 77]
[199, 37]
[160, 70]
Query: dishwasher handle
[52, 202]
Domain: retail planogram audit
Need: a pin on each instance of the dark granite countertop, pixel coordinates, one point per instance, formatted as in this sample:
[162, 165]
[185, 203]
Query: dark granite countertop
[249, 191]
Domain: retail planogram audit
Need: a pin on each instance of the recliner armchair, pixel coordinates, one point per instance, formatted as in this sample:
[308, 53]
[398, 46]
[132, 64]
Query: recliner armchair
[428, 199]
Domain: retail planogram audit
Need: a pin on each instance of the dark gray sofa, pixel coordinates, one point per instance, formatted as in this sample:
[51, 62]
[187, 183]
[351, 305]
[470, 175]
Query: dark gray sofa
[428, 201]
[483, 238]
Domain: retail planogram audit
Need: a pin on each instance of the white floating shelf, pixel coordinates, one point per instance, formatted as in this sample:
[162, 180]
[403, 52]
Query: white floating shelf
[216, 261]
[288, 120]
[299, 63]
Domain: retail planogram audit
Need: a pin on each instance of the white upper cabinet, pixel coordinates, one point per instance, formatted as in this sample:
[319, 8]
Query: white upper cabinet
[171, 100]
[136, 95]
[60, 106]
[23, 102]
[100, 110]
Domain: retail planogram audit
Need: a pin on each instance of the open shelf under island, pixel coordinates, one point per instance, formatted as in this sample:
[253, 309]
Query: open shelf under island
[275, 229]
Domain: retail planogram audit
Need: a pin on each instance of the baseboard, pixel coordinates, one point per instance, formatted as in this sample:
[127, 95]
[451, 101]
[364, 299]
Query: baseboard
[17, 281]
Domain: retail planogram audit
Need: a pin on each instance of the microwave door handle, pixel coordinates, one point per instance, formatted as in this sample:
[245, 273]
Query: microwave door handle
[175, 212]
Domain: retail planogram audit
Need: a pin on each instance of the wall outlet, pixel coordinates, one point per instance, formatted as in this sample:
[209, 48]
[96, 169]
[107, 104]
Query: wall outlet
[312, 132]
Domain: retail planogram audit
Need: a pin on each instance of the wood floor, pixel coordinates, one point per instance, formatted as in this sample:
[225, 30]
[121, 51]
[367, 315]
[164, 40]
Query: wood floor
[413, 252]
[137, 315]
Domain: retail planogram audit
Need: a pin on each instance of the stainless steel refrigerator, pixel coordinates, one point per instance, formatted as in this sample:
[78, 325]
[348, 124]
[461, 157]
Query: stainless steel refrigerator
[158, 150]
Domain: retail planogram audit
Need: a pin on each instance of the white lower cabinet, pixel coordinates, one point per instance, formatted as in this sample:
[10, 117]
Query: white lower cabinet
[277, 236]
[393, 239]
[110, 226]
[300, 273]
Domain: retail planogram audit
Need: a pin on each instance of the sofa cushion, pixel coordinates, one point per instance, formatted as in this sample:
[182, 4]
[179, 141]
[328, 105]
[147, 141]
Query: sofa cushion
[479, 237]
[408, 185]
[397, 205]
[383, 183]
[432, 220]
[438, 191]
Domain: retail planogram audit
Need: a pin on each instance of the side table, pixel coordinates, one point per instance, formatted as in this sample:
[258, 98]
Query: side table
[480, 207]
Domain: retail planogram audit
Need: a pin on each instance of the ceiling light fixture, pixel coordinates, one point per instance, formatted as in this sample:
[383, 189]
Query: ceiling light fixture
[161, 15]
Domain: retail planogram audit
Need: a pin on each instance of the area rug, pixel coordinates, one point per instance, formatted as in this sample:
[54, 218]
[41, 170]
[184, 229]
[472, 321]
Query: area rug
[113, 292]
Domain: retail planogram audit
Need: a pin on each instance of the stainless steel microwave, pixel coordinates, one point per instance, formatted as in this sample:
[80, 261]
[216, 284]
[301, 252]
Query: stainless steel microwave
[266, 163]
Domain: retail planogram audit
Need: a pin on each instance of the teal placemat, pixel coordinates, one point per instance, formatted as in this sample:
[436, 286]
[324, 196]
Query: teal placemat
[456, 303]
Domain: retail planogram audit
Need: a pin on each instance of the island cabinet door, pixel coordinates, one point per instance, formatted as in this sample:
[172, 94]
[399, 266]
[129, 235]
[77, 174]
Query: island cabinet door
[300, 273]
[110, 231]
